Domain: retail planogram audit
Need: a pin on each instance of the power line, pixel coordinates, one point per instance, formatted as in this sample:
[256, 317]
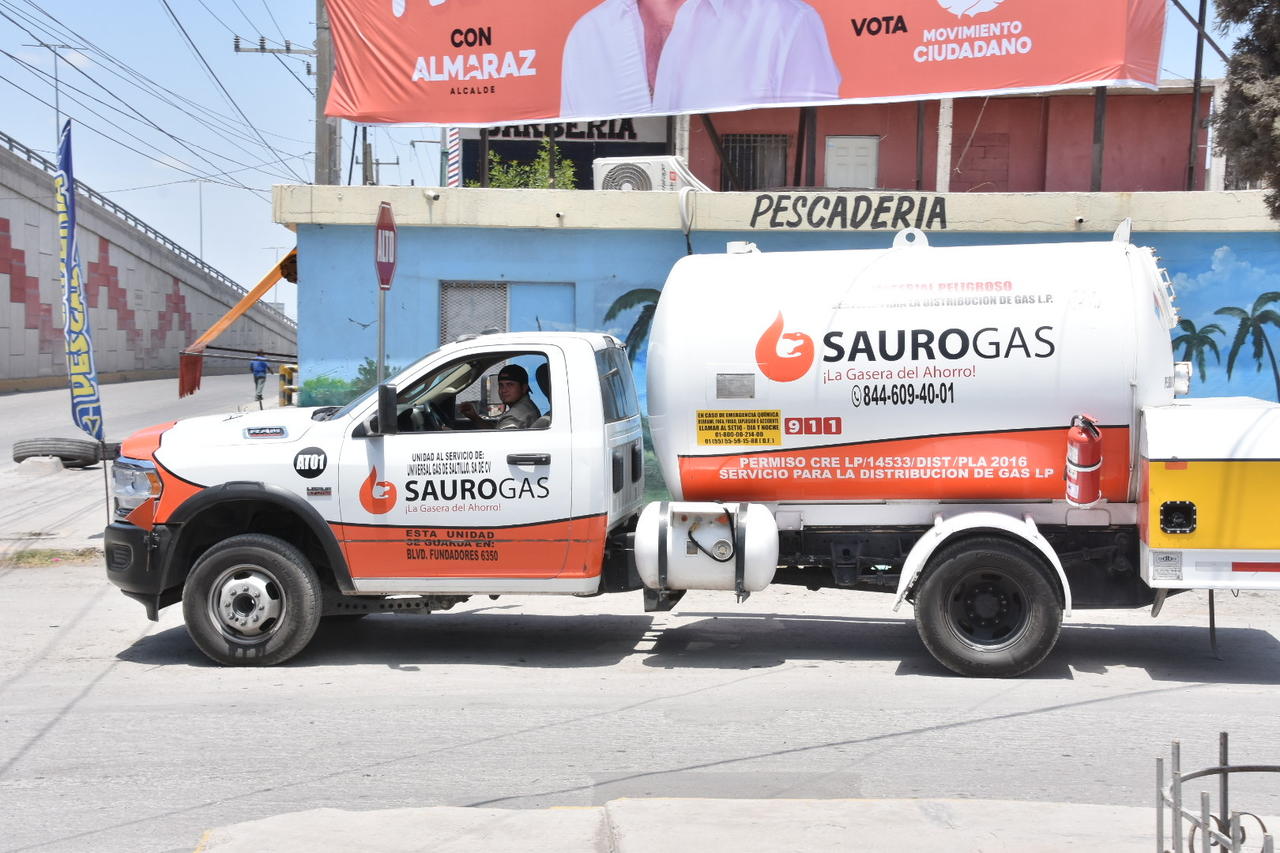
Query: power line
[116, 140]
[272, 16]
[188, 166]
[294, 76]
[217, 123]
[223, 88]
[180, 181]
[138, 116]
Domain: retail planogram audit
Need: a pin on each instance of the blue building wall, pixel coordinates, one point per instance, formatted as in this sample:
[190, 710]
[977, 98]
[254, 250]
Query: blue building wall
[337, 306]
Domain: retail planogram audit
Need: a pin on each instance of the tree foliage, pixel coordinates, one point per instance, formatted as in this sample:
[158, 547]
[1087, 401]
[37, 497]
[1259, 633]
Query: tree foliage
[644, 298]
[512, 174]
[1248, 128]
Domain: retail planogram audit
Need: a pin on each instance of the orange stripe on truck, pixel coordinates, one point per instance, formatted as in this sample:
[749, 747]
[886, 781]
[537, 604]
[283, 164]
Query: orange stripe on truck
[1013, 465]
[569, 548]
[144, 443]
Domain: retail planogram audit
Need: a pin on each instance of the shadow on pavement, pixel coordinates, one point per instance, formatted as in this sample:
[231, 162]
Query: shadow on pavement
[731, 641]
[405, 640]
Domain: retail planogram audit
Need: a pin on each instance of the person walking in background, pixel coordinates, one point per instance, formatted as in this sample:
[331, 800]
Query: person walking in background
[260, 369]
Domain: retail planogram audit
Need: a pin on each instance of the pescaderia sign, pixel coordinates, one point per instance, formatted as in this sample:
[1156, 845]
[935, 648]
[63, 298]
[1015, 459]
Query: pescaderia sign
[490, 62]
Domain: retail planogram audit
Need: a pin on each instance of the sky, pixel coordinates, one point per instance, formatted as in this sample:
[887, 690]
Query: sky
[173, 125]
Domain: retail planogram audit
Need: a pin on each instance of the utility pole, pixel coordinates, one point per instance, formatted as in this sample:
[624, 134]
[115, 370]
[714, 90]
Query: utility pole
[366, 158]
[413, 143]
[377, 174]
[57, 105]
[1193, 149]
[328, 130]
[277, 252]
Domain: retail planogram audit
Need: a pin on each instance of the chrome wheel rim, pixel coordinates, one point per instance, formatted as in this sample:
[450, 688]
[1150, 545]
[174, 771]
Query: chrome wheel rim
[246, 604]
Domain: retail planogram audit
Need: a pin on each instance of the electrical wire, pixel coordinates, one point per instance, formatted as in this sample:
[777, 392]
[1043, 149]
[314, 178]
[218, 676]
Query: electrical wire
[189, 180]
[218, 123]
[218, 82]
[222, 126]
[283, 64]
[272, 16]
[252, 24]
[294, 76]
[115, 138]
[137, 116]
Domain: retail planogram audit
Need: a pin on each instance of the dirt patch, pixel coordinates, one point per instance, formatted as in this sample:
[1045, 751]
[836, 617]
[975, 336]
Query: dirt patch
[35, 558]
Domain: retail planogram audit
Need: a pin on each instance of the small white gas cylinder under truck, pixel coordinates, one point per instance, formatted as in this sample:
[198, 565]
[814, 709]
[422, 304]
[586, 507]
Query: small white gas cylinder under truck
[989, 433]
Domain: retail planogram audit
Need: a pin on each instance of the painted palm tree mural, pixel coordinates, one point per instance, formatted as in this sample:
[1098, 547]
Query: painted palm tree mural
[1252, 329]
[644, 298]
[1195, 341]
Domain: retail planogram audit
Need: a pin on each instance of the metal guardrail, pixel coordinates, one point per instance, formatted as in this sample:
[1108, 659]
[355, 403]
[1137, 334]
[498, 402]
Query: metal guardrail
[1229, 833]
[138, 225]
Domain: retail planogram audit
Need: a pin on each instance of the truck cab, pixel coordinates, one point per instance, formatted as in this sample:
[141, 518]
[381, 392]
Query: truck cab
[260, 523]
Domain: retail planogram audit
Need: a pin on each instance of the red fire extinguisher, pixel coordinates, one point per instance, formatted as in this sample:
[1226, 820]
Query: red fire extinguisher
[1084, 461]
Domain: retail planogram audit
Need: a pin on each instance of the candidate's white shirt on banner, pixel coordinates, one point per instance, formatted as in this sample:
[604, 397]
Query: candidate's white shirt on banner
[720, 53]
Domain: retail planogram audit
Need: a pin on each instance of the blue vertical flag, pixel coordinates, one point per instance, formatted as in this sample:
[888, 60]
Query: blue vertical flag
[86, 404]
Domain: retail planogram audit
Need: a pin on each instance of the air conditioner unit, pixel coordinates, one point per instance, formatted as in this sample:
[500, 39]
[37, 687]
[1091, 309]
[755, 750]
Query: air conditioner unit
[644, 173]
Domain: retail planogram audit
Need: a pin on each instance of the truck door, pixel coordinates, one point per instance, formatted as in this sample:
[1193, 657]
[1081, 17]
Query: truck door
[451, 499]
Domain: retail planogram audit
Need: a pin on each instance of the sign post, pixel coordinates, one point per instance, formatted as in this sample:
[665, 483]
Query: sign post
[384, 261]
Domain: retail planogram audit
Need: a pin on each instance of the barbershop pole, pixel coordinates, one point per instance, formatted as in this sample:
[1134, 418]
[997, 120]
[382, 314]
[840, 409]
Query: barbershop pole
[384, 261]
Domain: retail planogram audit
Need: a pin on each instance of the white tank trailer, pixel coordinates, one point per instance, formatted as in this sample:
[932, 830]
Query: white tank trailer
[899, 420]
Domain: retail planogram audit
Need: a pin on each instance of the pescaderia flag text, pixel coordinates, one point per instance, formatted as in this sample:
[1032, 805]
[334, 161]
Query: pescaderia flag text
[86, 404]
[486, 62]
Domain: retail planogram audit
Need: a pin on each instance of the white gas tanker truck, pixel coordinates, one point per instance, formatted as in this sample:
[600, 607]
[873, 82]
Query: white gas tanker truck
[989, 433]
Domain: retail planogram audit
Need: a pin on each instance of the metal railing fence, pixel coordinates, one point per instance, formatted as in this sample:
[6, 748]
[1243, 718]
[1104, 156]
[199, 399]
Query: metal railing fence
[1229, 833]
[138, 225]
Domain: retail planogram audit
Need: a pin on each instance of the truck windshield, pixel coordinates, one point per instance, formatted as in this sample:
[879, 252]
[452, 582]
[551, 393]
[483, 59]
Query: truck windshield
[350, 407]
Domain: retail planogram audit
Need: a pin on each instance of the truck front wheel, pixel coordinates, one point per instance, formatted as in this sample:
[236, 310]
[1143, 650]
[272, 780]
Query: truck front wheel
[252, 600]
[987, 607]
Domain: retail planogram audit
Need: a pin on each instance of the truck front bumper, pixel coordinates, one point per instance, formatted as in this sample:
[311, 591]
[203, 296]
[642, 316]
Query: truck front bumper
[136, 563]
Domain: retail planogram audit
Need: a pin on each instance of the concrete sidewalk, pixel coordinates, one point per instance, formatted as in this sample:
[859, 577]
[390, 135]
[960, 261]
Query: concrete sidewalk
[701, 826]
[42, 505]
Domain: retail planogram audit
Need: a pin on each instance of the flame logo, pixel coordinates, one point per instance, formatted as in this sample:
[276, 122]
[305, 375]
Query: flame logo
[960, 8]
[377, 496]
[784, 366]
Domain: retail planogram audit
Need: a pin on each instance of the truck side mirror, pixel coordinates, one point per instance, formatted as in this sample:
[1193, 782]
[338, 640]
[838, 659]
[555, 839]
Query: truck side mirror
[387, 421]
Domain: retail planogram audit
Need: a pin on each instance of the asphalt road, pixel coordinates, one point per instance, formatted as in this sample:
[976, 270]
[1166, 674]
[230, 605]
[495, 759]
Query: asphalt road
[126, 407]
[66, 510]
[116, 734]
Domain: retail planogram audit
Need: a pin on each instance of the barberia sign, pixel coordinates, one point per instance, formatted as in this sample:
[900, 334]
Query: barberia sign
[828, 211]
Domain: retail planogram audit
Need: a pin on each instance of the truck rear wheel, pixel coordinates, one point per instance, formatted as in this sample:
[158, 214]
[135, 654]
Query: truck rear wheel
[252, 600]
[987, 607]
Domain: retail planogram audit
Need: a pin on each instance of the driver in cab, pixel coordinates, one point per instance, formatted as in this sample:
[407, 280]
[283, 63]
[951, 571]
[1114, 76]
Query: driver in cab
[513, 390]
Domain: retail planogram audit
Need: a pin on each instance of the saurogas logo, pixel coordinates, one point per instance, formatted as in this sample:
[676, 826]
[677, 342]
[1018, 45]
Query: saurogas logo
[972, 8]
[377, 496]
[784, 362]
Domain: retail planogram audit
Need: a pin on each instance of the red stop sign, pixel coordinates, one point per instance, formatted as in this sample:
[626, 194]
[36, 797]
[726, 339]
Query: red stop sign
[384, 246]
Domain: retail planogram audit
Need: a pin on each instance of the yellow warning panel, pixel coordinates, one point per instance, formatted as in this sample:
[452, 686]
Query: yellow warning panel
[761, 428]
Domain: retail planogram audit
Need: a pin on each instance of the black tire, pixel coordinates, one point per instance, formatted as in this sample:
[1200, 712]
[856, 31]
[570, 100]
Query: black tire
[74, 452]
[988, 607]
[252, 600]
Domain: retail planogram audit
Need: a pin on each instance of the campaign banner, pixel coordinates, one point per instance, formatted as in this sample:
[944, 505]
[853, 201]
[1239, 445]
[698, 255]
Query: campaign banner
[86, 403]
[490, 62]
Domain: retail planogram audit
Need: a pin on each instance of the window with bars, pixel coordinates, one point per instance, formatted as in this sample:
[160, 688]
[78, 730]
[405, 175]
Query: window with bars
[471, 307]
[759, 159]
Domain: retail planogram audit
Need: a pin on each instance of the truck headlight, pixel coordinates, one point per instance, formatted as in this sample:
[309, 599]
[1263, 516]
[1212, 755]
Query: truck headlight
[132, 482]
